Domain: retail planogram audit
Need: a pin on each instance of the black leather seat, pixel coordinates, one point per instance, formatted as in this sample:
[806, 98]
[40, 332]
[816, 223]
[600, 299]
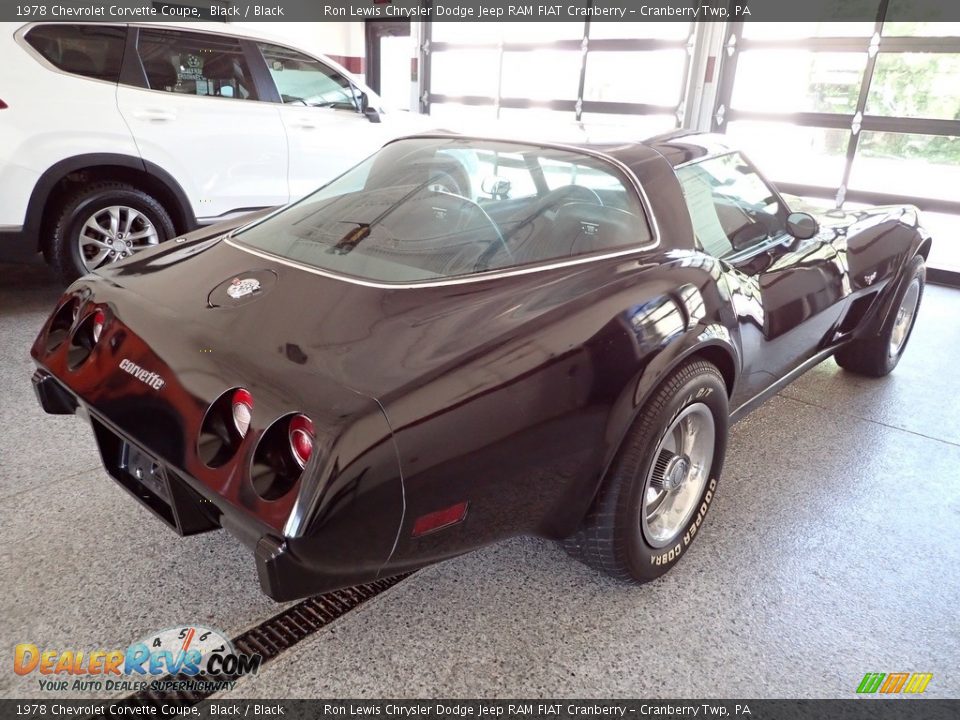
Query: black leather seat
[574, 228]
[161, 74]
[441, 233]
[79, 62]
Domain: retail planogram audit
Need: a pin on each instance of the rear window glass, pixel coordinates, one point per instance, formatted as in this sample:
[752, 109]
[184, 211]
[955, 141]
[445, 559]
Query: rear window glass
[432, 208]
[94, 51]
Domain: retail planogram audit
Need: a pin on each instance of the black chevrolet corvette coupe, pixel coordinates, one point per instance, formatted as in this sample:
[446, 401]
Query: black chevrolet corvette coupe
[464, 339]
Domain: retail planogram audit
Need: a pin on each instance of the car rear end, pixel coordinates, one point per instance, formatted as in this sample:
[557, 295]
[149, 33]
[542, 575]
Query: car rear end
[209, 423]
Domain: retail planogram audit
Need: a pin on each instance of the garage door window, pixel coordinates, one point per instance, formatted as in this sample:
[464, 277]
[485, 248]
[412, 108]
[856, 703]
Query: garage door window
[852, 113]
[532, 73]
[195, 64]
[89, 50]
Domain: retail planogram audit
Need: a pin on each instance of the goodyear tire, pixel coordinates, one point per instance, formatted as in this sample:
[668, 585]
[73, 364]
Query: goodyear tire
[878, 355]
[104, 222]
[660, 486]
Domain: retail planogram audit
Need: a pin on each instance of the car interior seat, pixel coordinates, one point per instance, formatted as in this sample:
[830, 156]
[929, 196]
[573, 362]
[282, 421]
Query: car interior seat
[161, 75]
[226, 71]
[574, 228]
[439, 232]
[79, 62]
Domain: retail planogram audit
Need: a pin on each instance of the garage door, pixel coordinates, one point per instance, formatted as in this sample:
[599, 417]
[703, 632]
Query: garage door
[853, 113]
[607, 73]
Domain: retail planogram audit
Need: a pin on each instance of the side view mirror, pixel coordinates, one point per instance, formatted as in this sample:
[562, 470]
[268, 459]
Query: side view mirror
[370, 113]
[802, 226]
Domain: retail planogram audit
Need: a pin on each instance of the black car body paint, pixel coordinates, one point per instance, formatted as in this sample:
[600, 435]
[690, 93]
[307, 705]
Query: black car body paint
[510, 392]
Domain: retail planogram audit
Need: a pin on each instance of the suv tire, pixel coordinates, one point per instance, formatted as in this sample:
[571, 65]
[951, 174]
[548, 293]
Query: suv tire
[103, 222]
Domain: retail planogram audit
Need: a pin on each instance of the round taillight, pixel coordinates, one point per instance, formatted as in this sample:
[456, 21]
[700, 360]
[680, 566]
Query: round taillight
[242, 410]
[99, 320]
[301, 439]
[61, 323]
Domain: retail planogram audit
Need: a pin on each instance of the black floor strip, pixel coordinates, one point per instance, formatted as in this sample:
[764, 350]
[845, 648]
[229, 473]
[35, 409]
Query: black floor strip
[272, 637]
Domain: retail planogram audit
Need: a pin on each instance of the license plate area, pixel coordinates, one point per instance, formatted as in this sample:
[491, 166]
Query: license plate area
[154, 484]
[144, 478]
[144, 470]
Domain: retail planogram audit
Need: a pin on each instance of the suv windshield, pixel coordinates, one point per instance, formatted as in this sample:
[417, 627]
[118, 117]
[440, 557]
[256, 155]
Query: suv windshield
[431, 208]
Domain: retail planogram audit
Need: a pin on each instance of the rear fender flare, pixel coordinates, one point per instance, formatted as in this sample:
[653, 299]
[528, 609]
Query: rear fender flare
[706, 339]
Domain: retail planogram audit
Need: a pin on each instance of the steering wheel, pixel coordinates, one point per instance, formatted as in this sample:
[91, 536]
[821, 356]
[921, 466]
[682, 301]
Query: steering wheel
[487, 254]
[496, 230]
[442, 181]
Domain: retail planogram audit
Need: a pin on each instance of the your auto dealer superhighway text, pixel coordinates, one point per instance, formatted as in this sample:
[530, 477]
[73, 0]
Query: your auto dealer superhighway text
[439, 710]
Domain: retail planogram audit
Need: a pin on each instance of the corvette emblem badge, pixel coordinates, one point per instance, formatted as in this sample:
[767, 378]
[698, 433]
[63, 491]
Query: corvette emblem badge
[247, 286]
[870, 278]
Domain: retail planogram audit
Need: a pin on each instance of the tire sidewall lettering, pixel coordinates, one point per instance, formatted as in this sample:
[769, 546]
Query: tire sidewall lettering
[662, 558]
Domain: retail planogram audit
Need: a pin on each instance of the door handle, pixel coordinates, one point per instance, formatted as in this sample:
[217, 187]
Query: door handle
[154, 115]
[305, 123]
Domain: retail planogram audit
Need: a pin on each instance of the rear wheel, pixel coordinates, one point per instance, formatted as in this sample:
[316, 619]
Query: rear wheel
[102, 223]
[661, 484]
[878, 355]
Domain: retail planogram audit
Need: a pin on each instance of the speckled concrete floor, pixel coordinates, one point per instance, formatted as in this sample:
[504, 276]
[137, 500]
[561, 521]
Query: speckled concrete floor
[82, 565]
[832, 549]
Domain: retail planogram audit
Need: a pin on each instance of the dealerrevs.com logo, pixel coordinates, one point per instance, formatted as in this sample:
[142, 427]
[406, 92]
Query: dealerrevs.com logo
[198, 657]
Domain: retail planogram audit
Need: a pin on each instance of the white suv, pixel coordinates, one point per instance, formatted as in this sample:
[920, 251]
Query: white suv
[120, 136]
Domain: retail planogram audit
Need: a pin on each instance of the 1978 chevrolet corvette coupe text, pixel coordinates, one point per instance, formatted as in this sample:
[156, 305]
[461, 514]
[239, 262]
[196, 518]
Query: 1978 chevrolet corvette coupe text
[464, 339]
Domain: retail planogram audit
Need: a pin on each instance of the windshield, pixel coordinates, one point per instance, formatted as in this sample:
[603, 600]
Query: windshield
[432, 208]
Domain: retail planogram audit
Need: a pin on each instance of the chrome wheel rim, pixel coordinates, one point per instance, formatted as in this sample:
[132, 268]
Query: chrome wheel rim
[904, 319]
[114, 233]
[679, 473]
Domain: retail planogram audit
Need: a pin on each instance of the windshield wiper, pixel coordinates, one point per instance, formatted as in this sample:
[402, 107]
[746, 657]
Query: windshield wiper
[353, 238]
[360, 233]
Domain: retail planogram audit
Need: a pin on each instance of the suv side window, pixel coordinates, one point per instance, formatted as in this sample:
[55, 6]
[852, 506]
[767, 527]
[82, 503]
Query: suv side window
[731, 206]
[301, 80]
[94, 51]
[195, 64]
